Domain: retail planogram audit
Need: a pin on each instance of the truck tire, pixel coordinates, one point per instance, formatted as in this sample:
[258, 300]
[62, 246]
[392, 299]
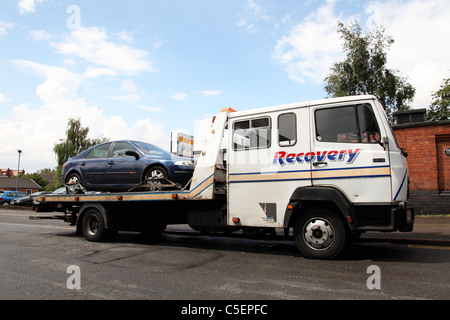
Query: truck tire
[320, 233]
[93, 227]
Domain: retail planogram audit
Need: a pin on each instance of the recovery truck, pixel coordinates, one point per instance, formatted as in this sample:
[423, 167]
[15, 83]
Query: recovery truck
[325, 171]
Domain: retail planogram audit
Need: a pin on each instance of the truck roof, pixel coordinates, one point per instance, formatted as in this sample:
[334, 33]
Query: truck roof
[302, 104]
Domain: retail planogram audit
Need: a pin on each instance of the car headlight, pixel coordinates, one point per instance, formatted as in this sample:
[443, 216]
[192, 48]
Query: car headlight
[185, 163]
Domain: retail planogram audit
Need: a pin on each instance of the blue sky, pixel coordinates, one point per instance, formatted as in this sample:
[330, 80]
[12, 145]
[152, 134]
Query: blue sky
[139, 69]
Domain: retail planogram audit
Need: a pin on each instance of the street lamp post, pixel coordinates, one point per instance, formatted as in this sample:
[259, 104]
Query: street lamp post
[18, 167]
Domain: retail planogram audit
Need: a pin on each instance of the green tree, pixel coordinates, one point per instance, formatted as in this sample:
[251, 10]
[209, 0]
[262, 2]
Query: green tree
[364, 70]
[440, 107]
[76, 142]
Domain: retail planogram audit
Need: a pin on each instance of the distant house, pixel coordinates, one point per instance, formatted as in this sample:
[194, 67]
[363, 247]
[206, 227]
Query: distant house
[10, 173]
[25, 185]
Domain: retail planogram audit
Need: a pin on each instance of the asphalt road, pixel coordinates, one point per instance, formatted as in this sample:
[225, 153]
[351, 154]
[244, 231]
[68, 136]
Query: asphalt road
[44, 259]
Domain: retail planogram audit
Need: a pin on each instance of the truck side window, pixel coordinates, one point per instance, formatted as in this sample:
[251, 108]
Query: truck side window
[251, 134]
[349, 124]
[369, 130]
[287, 130]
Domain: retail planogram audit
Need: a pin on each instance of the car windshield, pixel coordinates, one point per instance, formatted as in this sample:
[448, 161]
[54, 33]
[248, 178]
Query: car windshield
[148, 148]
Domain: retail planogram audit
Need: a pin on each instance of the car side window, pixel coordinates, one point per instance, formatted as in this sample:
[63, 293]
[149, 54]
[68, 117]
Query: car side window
[99, 152]
[120, 148]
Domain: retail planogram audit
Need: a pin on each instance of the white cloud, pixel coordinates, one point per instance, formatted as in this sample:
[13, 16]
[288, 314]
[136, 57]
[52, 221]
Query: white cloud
[93, 46]
[92, 72]
[125, 36]
[28, 5]
[312, 46]
[128, 98]
[256, 10]
[40, 35]
[208, 93]
[252, 13]
[4, 26]
[421, 31]
[3, 99]
[178, 96]
[151, 109]
[128, 85]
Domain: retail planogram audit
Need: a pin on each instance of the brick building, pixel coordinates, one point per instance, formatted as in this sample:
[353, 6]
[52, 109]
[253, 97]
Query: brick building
[28, 186]
[10, 173]
[428, 148]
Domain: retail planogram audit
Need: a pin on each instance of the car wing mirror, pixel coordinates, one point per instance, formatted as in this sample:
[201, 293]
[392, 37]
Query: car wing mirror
[133, 154]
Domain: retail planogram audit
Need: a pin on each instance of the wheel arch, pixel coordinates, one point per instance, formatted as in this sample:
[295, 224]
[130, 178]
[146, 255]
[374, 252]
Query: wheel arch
[152, 165]
[307, 197]
[106, 216]
[68, 173]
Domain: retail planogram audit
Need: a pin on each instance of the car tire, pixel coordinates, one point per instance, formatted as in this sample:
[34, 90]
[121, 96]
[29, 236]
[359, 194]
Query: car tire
[158, 173]
[73, 178]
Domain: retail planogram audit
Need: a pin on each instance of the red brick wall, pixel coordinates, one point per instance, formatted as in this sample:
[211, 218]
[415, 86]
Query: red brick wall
[421, 146]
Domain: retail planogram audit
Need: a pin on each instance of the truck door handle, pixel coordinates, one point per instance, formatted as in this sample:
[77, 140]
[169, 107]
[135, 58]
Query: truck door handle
[320, 163]
[83, 164]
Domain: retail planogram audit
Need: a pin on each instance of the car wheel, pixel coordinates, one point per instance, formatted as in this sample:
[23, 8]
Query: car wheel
[73, 183]
[154, 177]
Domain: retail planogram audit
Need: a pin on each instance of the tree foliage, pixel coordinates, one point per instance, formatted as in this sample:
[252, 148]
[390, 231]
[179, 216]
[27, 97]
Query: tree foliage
[364, 70]
[440, 107]
[76, 142]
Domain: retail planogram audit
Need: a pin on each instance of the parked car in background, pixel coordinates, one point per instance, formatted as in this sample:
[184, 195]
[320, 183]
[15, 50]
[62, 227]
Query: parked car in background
[8, 196]
[121, 165]
[28, 200]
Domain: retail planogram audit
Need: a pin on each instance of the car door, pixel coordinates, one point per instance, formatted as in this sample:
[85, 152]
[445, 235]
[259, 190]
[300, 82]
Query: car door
[93, 166]
[122, 169]
[346, 152]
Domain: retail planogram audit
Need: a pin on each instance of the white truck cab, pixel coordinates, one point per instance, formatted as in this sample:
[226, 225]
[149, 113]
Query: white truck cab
[307, 165]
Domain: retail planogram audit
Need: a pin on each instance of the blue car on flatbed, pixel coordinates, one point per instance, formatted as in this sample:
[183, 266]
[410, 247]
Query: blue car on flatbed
[121, 165]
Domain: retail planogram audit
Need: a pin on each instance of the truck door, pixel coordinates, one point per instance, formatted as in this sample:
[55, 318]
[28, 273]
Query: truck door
[347, 153]
[263, 166]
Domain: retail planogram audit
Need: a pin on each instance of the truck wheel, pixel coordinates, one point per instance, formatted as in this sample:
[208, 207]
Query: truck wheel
[320, 234]
[93, 226]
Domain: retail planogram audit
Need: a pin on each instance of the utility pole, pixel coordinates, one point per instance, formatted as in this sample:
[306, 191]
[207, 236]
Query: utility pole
[18, 167]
